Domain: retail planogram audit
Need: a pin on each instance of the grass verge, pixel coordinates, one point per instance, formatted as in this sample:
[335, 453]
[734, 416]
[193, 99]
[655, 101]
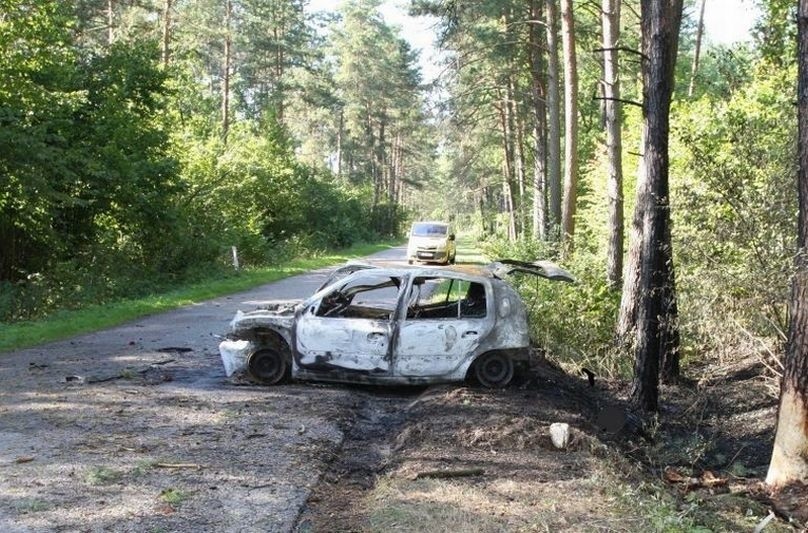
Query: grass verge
[67, 323]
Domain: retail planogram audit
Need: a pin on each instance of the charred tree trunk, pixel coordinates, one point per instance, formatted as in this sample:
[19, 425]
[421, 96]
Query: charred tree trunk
[627, 317]
[614, 145]
[697, 52]
[789, 462]
[554, 125]
[570, 122]
[660, 21]
[537, 74]
[228, 41]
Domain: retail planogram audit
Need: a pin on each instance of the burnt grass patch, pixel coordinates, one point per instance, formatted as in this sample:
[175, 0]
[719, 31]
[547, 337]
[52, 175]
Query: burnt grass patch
[491, 441]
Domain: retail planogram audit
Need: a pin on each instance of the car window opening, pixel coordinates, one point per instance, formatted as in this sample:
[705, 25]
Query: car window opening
[436, 298]
[366, 297]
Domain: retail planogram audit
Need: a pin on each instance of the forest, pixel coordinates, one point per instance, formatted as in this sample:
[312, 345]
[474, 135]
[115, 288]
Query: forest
[140, 140]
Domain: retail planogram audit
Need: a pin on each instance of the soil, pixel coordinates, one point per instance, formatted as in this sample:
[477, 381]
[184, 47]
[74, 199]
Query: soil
[137, 429]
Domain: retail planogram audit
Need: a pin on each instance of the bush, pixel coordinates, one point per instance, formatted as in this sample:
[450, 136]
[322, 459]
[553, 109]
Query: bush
[572, 324]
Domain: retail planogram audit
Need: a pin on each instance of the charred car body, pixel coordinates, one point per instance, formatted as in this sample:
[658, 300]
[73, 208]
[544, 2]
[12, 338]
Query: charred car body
[391, 325]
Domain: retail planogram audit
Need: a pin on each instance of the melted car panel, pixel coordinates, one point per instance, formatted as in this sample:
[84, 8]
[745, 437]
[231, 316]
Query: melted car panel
[393, 324]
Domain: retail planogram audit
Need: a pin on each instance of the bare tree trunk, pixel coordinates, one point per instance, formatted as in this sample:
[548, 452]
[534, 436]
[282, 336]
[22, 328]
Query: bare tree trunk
[539, 124]
[507, 167]
[520, 169]
[340, 132]
[554, 119]
[228, 12]
[627, 317]
[570, 122]
[697, 53]
[610, 18]
[660, 20]
[789, 462]
[110, 22]
[280, 104]
[166, 32]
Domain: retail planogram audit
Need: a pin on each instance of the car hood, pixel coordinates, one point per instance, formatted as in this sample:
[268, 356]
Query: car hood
[277, 312]
[428, 241]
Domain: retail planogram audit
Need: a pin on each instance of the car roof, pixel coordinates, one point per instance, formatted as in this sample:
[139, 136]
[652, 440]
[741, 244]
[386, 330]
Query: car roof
[395, 267]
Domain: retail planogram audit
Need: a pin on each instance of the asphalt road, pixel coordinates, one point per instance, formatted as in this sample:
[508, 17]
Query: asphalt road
[84, 421]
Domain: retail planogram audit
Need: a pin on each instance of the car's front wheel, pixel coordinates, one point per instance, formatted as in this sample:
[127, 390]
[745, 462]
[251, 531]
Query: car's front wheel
[494, 370]
[268, 365]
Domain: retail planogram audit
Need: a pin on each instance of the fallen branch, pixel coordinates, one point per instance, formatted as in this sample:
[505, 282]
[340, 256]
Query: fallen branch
[450, 473]
[178, 465]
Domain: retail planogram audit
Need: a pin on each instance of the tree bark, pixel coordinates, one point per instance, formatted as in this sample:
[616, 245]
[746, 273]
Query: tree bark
[554, 123]
[696, 55]
[627, 317]
[228, 39]
[166, 32]
[538, 82]
[660, 21]
[789, 462]
[507, 169]
[110, 22]
[610, 18]
[570, 122]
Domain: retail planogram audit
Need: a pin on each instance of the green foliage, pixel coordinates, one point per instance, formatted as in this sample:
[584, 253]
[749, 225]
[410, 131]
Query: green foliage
[116, 182]
[572, 323]
[735, 210]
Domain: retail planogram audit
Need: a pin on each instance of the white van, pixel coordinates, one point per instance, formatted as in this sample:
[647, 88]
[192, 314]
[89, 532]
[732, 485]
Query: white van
[432, 242]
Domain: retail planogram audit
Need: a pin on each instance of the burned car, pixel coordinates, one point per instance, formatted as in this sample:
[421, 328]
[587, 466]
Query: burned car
[386, 324]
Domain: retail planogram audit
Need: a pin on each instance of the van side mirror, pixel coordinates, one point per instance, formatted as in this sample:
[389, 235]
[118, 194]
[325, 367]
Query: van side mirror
[451, 236]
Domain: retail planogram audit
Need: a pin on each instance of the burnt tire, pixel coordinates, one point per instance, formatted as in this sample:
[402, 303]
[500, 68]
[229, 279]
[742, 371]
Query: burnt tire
[268, 366]
[494, 370]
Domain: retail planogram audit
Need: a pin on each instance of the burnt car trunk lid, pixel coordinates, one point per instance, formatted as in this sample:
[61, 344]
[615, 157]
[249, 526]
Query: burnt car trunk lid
[544, 269]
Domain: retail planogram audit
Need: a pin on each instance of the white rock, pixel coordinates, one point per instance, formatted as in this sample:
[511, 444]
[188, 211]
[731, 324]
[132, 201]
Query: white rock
[560, 435]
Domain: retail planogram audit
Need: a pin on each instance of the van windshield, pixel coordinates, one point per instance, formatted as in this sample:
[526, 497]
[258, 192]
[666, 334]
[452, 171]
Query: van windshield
[429, 230]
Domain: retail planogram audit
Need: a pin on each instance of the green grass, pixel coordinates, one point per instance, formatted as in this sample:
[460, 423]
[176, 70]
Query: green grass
[67, 323]
[173, 496]
[467, 249]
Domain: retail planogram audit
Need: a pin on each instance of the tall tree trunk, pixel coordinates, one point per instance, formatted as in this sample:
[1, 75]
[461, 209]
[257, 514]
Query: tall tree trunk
[570, 122]
[554, 126]
[789, 462]
[507, 168]
[627, 316]
[228, 39]
[660, 21]
[610, 18]
[166, 32]
[520, 169]
[340, 133]
[537, 75]
[697, 53]
[280, 103]
[110, 22]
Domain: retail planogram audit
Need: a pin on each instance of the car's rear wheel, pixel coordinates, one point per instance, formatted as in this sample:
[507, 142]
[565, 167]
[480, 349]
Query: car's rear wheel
[268, 365]
[494, 370]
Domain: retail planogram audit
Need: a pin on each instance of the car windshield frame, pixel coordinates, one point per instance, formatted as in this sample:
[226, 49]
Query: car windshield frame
[428, 229]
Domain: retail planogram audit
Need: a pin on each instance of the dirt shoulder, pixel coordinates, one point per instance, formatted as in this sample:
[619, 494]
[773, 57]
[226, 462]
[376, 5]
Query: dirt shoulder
[466, 459]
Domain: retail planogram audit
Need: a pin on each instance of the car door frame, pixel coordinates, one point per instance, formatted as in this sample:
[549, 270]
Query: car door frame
[465, 352]
[322, 364]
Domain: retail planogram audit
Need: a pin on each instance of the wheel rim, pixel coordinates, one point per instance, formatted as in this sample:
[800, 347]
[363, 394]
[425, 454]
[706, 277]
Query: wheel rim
[267, 366]
[495, 370]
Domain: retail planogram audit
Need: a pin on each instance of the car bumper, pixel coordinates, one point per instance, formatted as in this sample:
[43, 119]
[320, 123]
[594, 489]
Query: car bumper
[430, 256]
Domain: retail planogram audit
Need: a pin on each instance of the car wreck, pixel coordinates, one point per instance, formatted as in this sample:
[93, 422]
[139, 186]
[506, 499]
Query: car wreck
[389, 324]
